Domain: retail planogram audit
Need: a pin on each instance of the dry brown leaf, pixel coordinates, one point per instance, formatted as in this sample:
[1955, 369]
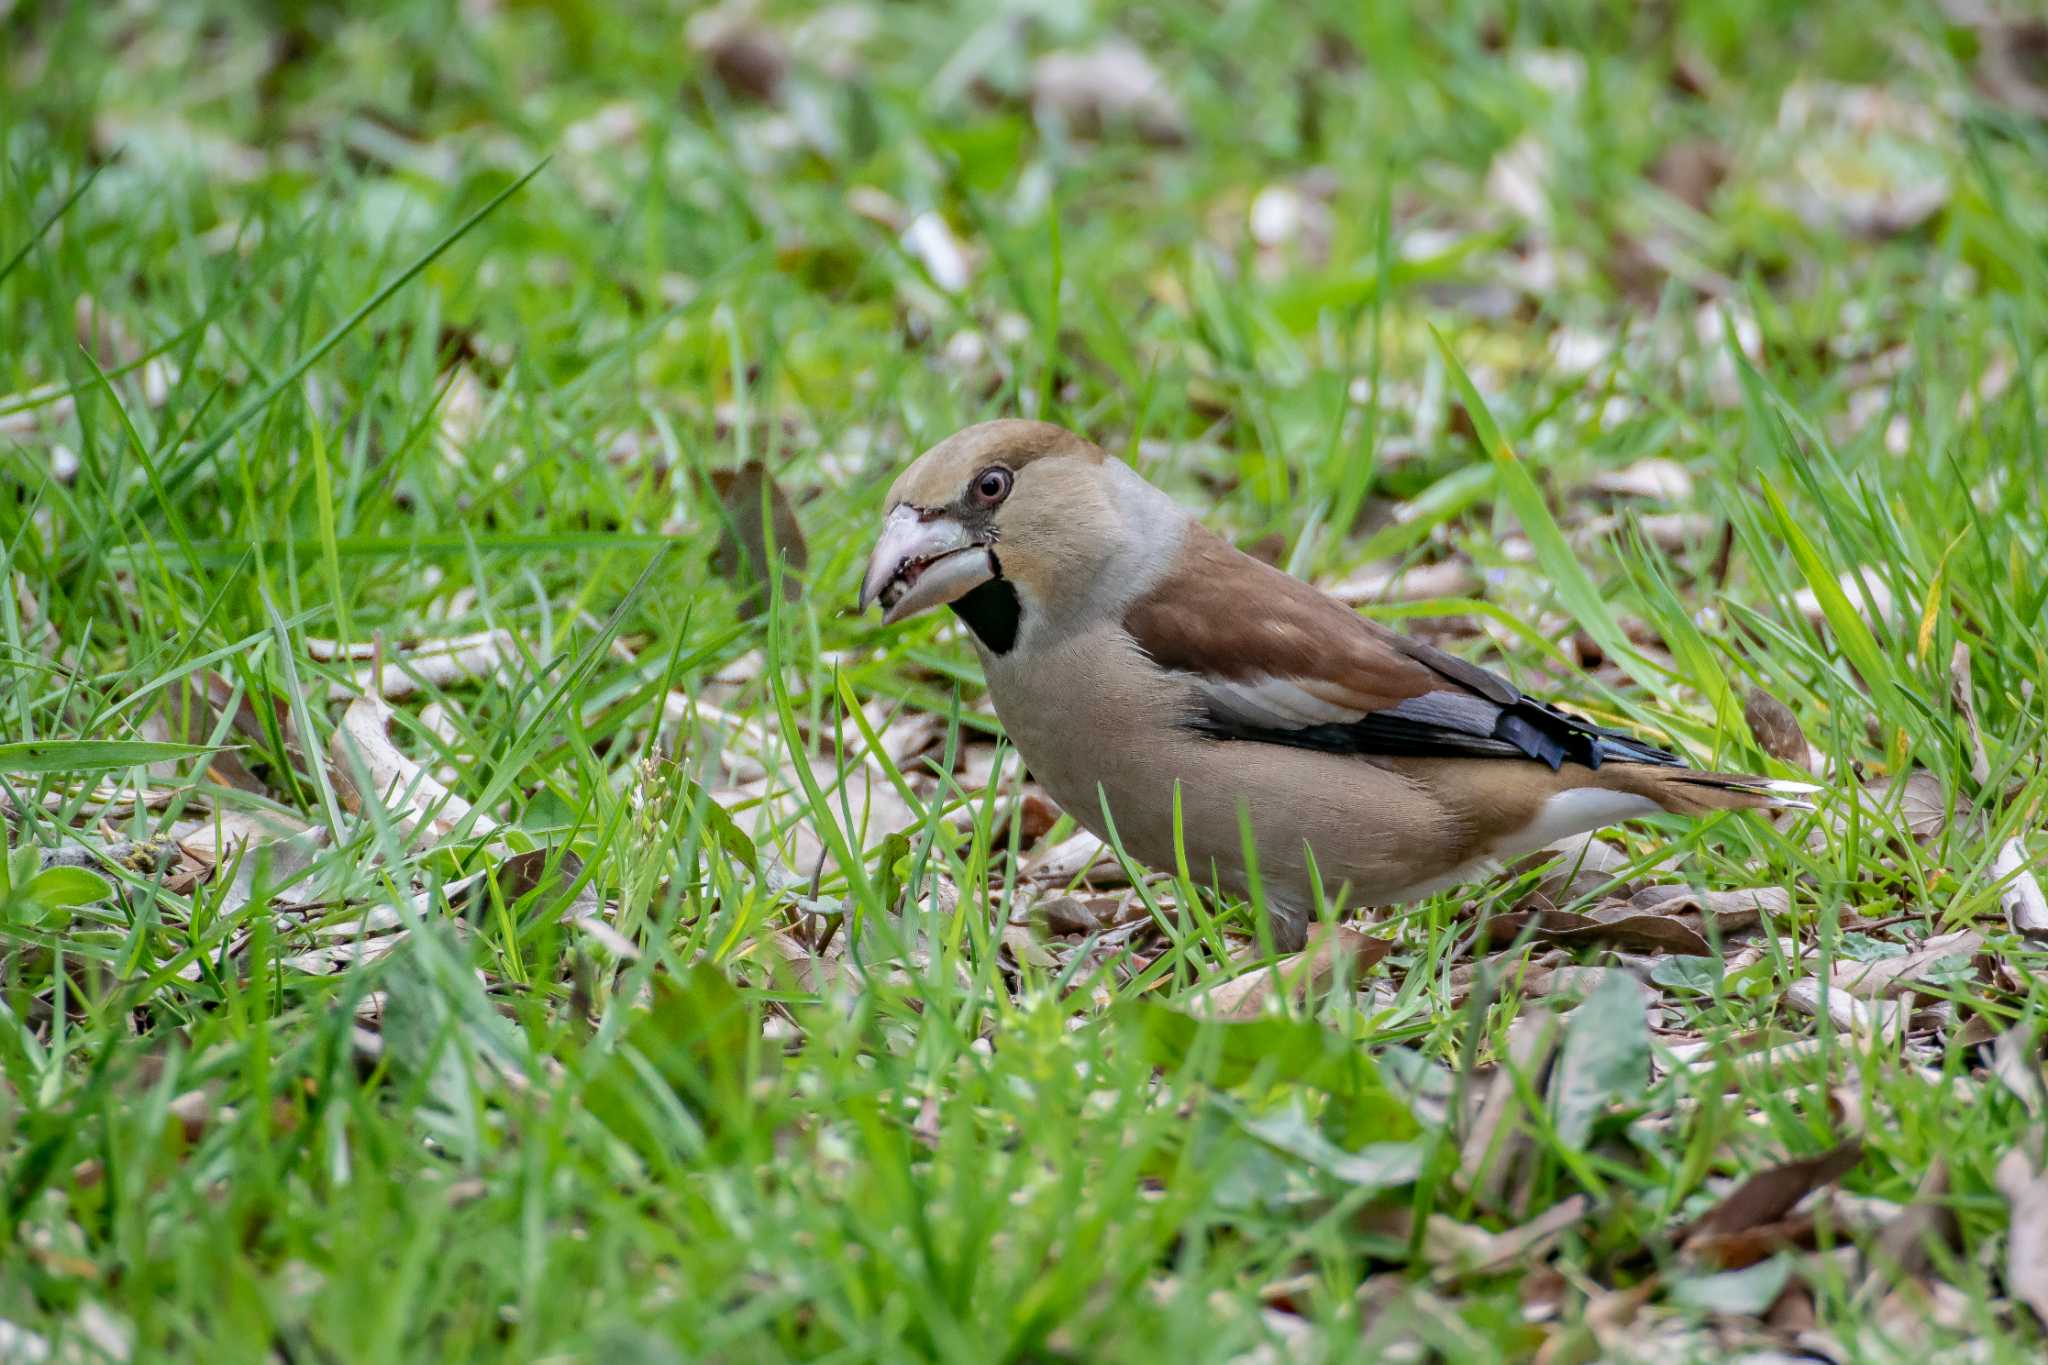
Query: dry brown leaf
[1107, 88]
[1775, 729]
[1864, 1018]
[907, 735]
[749, 59]
[1922, 804]
[1301, 976]
[1671, 532]
[366, 762]
[2016, 1062]
[2025, 1188]
[1618, 925]
[1730, 911]
[775, 808]
[1745, 1068]
[1569, 979]
[1068, 915]
[1517, 1247]
[461, 415]
[2026, 909]
[1079, 854]
[1072, 915]
[743, 553]
[1579, 866]
[1890, 976]
[1028, 951]
[1963, 692]
[1766, 1197]
[1740, 1250]
[1690, 171]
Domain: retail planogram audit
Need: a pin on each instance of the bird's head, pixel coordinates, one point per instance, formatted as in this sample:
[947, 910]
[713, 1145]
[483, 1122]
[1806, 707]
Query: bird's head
[1002, 520]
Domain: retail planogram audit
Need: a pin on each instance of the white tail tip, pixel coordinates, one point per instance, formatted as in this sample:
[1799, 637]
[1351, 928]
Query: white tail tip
[1789, 795]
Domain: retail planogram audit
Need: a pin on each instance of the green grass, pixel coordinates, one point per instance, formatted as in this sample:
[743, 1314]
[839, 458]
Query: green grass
[331, 324]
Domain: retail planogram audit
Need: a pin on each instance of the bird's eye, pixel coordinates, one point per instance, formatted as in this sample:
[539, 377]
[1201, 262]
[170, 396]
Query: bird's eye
[992, 485]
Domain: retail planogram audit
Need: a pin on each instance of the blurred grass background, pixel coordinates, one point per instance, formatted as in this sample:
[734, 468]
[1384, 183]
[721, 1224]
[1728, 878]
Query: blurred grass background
[295, 360]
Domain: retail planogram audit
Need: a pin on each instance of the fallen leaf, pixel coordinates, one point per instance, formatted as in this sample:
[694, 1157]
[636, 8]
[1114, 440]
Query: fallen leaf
[1080, 854]
[2016, 1063]
[1964, 694]
[1517, 1247]
[1331, 949]
[1864, 1018]
[1775, 729]
[748, 58]
[1619, 925]
[1571, 979]
[1579, 867]
[1107, 88]
[1729, 911]
[1744, 1293]
[367, 764]
[556, 869]
[745, 541]
[1740, 1250]
[1890, 976]
[1028, 951]
[2026, 909]
[2026, 1247]
[1769, 1195]
[1690, 171]
[1922, 804]
[1068, 916]
[460, 418]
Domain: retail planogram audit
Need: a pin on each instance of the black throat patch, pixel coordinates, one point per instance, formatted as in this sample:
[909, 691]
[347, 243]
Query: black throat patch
[992, 612]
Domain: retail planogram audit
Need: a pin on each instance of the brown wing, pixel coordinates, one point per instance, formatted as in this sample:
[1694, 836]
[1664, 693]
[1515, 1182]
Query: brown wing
[1273, 660]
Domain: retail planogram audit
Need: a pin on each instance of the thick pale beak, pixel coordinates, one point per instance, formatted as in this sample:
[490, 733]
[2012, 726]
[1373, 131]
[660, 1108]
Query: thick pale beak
[919, 564]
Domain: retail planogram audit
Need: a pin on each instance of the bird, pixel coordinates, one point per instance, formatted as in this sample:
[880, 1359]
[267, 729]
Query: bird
[1177, 695]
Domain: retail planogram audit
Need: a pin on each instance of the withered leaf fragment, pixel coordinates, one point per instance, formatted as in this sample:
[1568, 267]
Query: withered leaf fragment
[747, 543]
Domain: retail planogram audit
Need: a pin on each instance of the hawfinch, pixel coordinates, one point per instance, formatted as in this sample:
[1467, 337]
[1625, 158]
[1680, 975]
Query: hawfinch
[1129, 649]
